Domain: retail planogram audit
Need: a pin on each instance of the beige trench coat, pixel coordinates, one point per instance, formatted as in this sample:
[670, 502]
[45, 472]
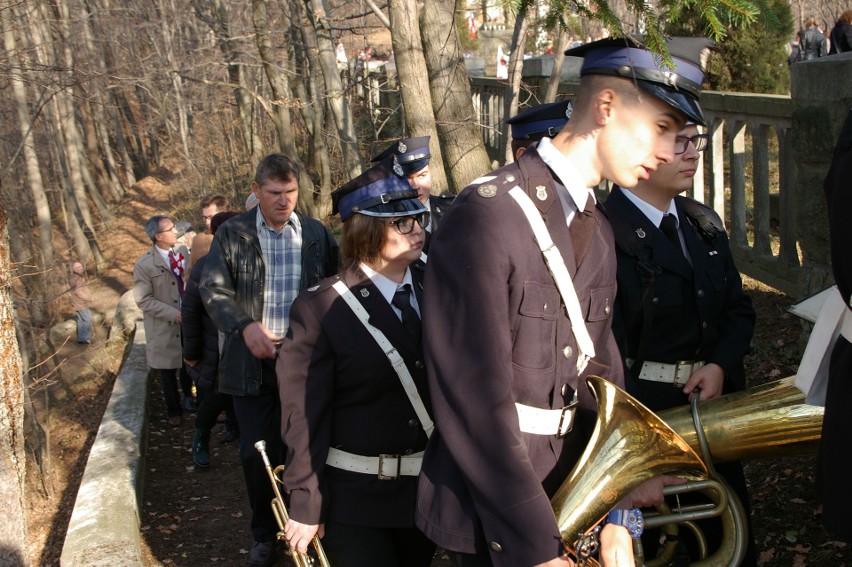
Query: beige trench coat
[156, 293]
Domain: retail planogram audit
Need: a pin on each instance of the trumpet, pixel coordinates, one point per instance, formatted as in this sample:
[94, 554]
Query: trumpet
[279, 509]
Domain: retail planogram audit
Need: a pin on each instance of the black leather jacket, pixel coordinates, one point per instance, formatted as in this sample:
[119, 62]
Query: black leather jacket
[232, 290]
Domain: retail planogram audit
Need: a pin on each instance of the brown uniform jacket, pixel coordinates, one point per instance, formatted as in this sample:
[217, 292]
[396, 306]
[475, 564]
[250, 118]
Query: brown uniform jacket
[496, 333]
[338, 389]
[156, 293]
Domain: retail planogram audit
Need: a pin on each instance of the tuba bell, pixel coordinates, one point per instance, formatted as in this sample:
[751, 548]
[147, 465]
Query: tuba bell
[631, 444]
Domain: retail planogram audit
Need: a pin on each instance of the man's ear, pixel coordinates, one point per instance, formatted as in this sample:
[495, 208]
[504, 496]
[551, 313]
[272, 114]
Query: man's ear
[604, 106]
[255, 188]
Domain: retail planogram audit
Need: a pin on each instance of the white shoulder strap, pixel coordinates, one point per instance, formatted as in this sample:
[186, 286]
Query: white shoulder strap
[393, 356]
[560, 274]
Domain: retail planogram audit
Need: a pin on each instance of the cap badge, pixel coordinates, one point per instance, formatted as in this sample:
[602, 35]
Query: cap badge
[541, 193]
[397, 168]
[487, 191]
[569, 110]
[402, 147]
[365, 292]
[640, 233]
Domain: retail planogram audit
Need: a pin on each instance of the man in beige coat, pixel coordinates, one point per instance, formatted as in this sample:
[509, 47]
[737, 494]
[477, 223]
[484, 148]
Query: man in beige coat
[158, 279]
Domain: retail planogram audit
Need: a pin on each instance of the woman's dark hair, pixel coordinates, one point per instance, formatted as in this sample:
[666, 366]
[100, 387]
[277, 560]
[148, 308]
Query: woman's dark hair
[363, 238]
[220, 218]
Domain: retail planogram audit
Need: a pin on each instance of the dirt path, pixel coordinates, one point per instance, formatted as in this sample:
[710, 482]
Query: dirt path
[192, 517]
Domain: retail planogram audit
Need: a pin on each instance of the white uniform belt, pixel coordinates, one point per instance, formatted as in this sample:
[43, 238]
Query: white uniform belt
[546, 421]
[676, 374]
[385, 466]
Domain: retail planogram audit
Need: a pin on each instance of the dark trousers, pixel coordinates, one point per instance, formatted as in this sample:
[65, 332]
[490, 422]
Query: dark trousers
[211, 404]
[360, 546]
[259, 418]
[169, 383]
[84, 326]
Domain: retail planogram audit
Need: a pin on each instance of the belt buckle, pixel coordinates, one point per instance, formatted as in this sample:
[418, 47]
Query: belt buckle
[387, 457]
[682, 364]
[569, 411]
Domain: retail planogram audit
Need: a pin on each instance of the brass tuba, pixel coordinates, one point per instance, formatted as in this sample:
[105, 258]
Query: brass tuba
[630, 445]
[282, 517]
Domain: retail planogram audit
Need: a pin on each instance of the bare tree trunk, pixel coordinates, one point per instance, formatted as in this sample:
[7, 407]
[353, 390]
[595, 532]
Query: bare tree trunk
[42, 208]
[556, 73]
[311, 94]
[458, 125]
[13, 540]
[413, 82]
[280, 111]
[68, 129]
[166, 32]
[219, 22]
[334, 89]
[516, 64]
[100, 136]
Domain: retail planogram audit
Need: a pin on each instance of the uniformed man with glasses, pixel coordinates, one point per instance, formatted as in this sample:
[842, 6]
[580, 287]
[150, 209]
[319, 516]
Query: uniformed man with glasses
[682, 320]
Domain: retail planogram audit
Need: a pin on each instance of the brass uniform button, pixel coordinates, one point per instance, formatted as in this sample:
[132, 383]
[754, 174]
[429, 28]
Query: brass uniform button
[567, 351]
[496, 547]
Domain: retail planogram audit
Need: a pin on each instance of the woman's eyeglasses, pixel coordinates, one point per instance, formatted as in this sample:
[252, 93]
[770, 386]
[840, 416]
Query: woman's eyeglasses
[406, 224]
[699, 141]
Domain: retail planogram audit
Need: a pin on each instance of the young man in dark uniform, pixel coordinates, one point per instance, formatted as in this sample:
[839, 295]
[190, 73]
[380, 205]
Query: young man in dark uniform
[504, 359]
[682, 320]
[412, 157]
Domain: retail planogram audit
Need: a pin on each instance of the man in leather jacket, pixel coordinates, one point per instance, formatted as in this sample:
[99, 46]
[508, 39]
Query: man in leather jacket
[258, 263]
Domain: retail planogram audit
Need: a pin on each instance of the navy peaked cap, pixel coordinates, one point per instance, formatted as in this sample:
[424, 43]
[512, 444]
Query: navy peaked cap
[540, 121]
[378, 192]
[412, 154]
[680, 87]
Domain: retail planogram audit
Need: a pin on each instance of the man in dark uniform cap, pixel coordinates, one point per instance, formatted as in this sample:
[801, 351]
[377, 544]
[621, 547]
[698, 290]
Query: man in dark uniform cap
[412, 156]
[533, 124]
[506, 362]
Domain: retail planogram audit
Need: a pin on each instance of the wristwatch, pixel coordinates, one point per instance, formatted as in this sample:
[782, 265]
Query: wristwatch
[631, 519]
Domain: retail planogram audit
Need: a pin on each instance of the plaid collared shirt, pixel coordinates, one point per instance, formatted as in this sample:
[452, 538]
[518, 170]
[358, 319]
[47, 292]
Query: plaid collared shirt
[282, 255]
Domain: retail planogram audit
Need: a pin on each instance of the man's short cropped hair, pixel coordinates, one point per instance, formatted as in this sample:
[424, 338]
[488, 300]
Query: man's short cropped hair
[217, 199]
[278, 167]
[152, 227]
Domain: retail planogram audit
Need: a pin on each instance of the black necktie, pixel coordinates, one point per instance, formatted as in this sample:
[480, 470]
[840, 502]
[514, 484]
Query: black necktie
[582, 229]
[402, 301]
[669, 228]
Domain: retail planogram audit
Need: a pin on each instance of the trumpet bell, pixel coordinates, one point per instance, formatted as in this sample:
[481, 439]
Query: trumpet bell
[603, 475]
